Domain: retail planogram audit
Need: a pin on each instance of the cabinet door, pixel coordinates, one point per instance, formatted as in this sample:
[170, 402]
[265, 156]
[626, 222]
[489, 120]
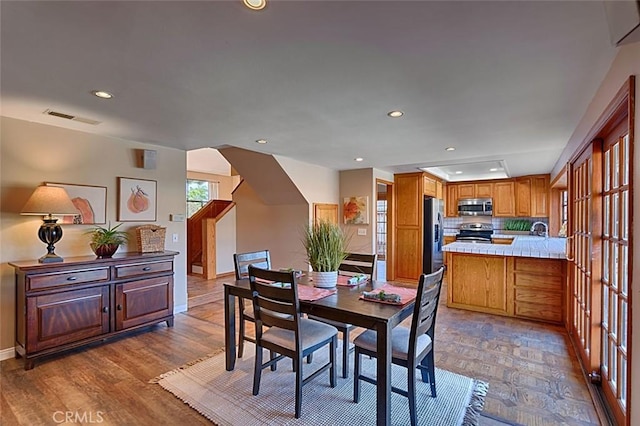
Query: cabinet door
[540, 196]
[523, 197]
[503, 199]
[143, 301]
[484, 190]
[466, 190]
[451, 201]
[408, 200]
[429, 186]
[66, 317]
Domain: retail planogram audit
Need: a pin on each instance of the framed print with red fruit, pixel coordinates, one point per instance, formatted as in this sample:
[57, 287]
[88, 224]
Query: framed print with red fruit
[137, 200]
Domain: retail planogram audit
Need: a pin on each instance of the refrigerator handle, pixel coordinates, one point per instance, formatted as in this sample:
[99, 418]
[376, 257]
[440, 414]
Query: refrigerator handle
[437, 233]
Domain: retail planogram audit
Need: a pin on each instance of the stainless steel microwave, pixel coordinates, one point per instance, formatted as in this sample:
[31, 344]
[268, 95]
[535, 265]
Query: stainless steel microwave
[475, 207]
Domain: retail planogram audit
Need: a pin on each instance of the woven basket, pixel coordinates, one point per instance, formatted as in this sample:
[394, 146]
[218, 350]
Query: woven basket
[150, 238]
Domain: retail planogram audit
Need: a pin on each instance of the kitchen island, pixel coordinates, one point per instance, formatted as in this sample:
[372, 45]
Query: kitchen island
[525, 279]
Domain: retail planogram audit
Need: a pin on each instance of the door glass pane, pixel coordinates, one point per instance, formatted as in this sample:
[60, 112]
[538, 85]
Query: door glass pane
[605, 352]
[623, 382]
[613, 316]
[625, 215]
[605, 262]
[613, 367]
[623, 324]
[625, 166]
[605, 308]
[624, 270]
[607, 174]
[614, 215]
[607, 209]
[615, 171]
[614, 265]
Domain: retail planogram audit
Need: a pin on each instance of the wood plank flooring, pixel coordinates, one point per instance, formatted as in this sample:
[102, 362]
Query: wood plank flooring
[533, 374]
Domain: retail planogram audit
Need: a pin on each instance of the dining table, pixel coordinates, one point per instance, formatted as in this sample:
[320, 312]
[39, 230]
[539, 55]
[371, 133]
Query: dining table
[344, 305]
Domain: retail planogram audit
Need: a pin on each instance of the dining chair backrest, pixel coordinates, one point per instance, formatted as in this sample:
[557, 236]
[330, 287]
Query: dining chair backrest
[241, 261]
[425, 308]
[357, 263]
[275, 299]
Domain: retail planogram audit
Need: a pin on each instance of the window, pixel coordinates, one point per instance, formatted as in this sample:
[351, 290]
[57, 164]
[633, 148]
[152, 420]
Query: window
[564, 210]
[199, 192]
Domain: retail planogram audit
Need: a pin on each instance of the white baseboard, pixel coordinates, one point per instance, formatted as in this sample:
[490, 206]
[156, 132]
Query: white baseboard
[195, 269]
[179, 308]
[7, 353]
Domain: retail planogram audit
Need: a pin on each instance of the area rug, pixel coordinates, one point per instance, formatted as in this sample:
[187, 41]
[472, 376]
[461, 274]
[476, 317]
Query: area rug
[225, 398]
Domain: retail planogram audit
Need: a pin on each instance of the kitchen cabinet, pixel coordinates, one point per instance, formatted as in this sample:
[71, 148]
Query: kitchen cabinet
[451, 200]
[410, 189]
[484, 190]
[64, 305]
[503, 199]
[532, 196]
[466, 190]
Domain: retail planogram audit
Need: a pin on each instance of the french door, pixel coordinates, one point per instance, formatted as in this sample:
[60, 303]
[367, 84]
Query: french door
[616, 269]
[600, 200]
[585, 292]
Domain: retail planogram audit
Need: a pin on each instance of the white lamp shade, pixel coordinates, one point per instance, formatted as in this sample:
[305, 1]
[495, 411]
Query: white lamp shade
[47, 200]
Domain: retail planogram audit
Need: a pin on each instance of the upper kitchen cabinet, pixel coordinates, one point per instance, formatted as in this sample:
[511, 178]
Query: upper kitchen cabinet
[451, 200]
[466, 190]
[503, 198]
[484, 190]
[532, 196]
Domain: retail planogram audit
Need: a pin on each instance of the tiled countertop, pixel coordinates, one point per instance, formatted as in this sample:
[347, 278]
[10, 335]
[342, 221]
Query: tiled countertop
[522, 246]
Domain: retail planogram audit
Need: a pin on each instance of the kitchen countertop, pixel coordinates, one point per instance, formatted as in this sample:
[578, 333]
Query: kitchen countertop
[522, 246]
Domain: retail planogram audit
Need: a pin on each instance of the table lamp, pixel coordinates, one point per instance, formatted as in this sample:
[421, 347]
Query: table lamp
[47, 201]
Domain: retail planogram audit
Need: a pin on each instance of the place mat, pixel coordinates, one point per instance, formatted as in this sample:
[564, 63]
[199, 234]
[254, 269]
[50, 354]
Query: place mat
[309, 294]
[406, 294]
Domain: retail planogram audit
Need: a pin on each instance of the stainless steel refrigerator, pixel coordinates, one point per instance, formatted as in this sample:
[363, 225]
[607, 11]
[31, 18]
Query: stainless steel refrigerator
[433, 228]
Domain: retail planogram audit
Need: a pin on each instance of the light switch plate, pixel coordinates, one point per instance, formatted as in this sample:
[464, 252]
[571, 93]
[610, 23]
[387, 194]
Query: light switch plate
[362, 231]
[175, 238]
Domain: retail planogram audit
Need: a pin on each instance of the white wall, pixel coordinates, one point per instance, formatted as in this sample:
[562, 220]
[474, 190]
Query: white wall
[226, 242]
[35, 153]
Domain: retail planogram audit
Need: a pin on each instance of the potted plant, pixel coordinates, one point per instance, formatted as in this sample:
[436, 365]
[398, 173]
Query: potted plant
[325, 244]
[517, 226]
[106, 240]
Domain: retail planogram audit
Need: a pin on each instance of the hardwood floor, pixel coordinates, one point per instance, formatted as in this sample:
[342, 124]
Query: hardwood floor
[533, 375]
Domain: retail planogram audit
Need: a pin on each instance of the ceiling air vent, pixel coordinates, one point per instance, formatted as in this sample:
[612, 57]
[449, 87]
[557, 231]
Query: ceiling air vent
[71, 117]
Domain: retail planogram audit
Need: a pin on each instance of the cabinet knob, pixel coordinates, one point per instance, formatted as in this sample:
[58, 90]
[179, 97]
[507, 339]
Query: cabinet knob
[105, 309]
[72, 278]
[146, 268]
[119, 307]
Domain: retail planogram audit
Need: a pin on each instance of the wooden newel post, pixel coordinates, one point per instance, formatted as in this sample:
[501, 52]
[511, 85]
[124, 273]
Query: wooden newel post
[209, 249]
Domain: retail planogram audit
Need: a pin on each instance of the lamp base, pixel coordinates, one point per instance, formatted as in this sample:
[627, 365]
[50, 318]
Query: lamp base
[50, 258]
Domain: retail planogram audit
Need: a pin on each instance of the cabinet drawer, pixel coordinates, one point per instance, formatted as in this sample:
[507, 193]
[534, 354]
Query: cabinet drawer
[540, 282]
[538, 296]
[124, 271]
[40, 281]
[538, 312]
[538, 266]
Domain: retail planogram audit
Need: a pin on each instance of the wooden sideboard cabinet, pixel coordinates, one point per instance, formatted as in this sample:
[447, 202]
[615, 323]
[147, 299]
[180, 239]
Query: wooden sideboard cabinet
[64, 305]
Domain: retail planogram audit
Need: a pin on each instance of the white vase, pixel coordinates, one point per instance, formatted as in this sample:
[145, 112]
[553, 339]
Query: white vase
[325, 279]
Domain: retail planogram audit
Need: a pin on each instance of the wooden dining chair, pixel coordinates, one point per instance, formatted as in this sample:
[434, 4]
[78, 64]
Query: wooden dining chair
[354, 264]
[276, 306]
[411, 347]
[241, 261]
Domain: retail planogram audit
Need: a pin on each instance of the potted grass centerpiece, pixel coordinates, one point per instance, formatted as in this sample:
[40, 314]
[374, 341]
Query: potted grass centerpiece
[325, 244]
[106, 240]
[517, 226]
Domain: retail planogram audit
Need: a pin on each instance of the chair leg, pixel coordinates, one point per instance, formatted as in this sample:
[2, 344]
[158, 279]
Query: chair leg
[241, 334]
[333, 371]
[356, 377]
[345, 354]
[298, 366]
[411, 392]
[257, 370]
[429, 372]
[273, 355]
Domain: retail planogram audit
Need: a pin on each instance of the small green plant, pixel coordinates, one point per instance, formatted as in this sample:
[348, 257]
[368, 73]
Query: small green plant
[101, 236]
[325, 244]
[517, 225]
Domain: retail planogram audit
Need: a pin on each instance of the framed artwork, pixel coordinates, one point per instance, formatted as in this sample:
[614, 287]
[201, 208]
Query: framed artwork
[91, 202]
[137, 200]
[356, 210]
[327, 212]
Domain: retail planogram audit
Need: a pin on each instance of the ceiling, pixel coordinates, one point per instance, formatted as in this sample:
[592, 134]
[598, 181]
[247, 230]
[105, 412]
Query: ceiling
[502, 82]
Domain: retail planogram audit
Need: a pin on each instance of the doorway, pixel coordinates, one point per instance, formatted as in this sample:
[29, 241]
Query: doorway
[383, 229]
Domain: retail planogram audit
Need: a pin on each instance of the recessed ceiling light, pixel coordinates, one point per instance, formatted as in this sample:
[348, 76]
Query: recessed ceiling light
[261, 141]
[102, 94]
[493, 169]
[458, 172]
[450, 148]
[255, 4]
[395, 114]
[358, 159]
